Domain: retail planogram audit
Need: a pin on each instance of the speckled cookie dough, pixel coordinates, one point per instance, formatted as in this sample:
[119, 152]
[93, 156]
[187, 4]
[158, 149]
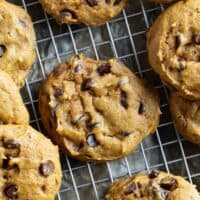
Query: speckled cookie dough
[186, 115]
[154, 186]
[29, 164]
[12, 109]
[17, 42]
[173, 44]
[89, 12]
[97, 110]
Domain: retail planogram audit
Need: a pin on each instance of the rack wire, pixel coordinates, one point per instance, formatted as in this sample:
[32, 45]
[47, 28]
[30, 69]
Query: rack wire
[124, 38]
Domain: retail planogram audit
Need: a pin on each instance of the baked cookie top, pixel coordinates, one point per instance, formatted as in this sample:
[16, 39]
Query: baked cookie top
[154, 186]
[89, 12]
[97, 110]
[17, 42]
[186, 115]
[12, 108]
[173, 44]
[29, 164]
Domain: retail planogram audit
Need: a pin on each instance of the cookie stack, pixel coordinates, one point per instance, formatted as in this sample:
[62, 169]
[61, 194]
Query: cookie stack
[173, 44]
[27, 169]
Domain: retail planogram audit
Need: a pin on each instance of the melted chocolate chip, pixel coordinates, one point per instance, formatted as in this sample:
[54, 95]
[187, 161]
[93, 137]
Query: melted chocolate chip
[154, 174]
[141, 108]
[58, 93]
[104, 69]
[67, 13]
[131, 188]
[78, 68]
[196, 38]
[91, 140]
[169, 183]
[46, 168]
[11, 144]
[87, 84]
[123, 99]
[2, 50]
[10, 191]
[23, 23]
[91, 3]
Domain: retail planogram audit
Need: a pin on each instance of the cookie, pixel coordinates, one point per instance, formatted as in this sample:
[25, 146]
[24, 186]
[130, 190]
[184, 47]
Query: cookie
[186, 115]
[162, 1]
[97, 110]
[173, 44]
[12, 109]
[29, 164]
[17, 42]
[89, 12]
[154, 186]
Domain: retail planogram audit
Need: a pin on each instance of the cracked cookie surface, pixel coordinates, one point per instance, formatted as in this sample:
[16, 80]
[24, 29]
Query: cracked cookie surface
[97, 110]
[29, 164]
[154, 186]
[186, 115]
[173, 44]
[12, 108]
[89, 12]
[17, 42]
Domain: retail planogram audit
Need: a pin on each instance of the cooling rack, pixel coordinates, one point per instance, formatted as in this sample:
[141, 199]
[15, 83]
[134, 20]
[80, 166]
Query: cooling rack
[124, 38]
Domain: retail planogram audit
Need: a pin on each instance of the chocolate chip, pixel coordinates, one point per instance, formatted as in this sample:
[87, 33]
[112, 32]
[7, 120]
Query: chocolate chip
[11, 144]
[43, 188]
[169, 183]
[2, 50]
[23, 23]
[104, 69]
[141, 108]
[67, 13]
[196, 38]
[177, 41]
[5, 164]
[91, 140]
[58, 93]
[123, 99]
[154, 174]
[131, 188]
[78, 68]
[10, 191]
[92, 3]
[87, 84]
[46, 168]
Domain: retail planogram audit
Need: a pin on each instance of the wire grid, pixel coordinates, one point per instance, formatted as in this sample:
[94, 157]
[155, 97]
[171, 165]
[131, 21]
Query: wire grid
[124, 38]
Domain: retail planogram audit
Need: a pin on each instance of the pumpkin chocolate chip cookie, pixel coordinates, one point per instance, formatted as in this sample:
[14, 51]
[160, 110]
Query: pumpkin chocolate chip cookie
[154, 186]
[12, 109]
[89, 12]
[173, 44]
[29, 164]
[186, 115]
[97, 110]
[17, 42]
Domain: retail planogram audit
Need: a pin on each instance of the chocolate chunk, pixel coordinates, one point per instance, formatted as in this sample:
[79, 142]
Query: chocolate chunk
[169, 183]
[11, 144]
[104, 69]
[23, 23]
[10, 191]
[91, 140]
[154, 174]
[46, 168]
[67, 13]
[87, 84]
[131, 188]
[141, 108]
[123, 99]
[91, 3]
[196, 38]
[2, 50]
[58, 93]
[78, 68]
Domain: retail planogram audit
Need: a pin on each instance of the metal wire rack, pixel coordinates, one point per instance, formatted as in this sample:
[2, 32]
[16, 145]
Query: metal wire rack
[124, 38]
